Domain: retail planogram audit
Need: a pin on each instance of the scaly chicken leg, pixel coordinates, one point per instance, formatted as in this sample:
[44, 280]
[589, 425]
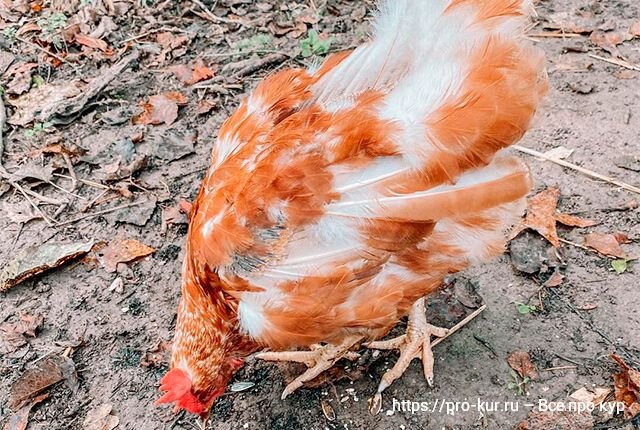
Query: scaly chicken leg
[318, 359]
[415, 343]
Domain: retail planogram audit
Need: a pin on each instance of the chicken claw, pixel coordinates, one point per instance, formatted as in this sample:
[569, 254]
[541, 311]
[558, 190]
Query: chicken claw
[416, 343]
[318, 359]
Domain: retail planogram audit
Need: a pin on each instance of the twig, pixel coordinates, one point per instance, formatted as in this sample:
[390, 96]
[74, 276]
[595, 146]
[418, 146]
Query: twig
[95, 214]
[577, 245]
[35, 206]
[550, 34]
[46, 51]
[577, 168]
[569, 360]
[486, 345]
[620, 63]
[458, 326]
[84, 181]
[550, 369]
[213, 17]
[72, 172]
[3, 120]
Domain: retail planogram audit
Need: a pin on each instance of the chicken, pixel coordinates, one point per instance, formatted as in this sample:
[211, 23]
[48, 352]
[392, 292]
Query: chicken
[340, 196]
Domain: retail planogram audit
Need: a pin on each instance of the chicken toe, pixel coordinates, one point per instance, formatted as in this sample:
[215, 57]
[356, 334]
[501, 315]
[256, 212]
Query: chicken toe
[416, 343]
[317, 359]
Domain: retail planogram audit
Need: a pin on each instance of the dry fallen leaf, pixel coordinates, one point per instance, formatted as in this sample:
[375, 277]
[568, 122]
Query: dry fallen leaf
[608, 41]
[100, 418]
[20, 420]
[192, 74]
[12, 335]
[204, 106]
[21, 81]
[122, 251]
[595, 396]
[37, 259]
[566, 420]
[606, 244]
[520, 361]
[559, 153]
[542, 216]
[555, 280]
[161, 108]
[40, 102]
[44, 374]
[627, 388]
[92, 42]
[157, 356]
[574, 221]
[20, 213]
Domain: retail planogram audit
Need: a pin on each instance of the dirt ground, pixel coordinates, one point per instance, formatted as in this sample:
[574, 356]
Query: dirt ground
[111, 333]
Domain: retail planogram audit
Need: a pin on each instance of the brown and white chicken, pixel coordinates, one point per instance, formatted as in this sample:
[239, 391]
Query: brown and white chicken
[340, 196]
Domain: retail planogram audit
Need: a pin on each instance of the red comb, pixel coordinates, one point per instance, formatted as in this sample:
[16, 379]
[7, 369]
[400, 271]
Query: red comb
[177, 385]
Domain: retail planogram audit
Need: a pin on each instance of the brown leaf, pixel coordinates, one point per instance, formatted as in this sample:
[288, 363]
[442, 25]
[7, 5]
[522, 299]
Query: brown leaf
[541, 215]
[574, 221]
[13, 334]
[37, 259]
[100, 418]
[204, 106]
[566, 420]
[161, 108]
[44, 374]
[173, 216]
[555, 280]
[122, 251]
[157, 356]
[627, 388]
[20, 213]
[92, 42]
[605, 244]
[20, 420]
[607, 41]
[588, 307]
[520, 361]
[621, 237]
[21, 81]
[38, 103]
[192, 74]
[170, 41]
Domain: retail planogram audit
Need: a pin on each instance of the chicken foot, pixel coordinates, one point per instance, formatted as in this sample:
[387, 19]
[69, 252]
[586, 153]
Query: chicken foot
[318, 359]
[415, 343]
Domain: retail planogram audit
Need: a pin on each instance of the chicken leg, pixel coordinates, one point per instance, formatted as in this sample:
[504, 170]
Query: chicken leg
[415, 343]
[318, 359]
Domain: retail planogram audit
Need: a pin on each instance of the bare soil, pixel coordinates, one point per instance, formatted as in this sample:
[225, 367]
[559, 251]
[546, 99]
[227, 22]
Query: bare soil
[592, 107]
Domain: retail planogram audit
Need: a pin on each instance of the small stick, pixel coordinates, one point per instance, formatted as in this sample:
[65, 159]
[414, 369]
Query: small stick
[3, 119]
[620, 63]
[84, 181]
[213, 17]
[569, 360]
[72, 172]
[46, 51]
[458, 326]
[95, 214]
[94, 200]
[577, 168]
[577, 245]
[35, 206]
[550, 34]
[550, 369]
